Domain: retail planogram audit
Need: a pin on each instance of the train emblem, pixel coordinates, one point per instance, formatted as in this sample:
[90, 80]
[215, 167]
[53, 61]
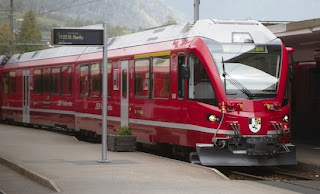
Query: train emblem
[254, 124]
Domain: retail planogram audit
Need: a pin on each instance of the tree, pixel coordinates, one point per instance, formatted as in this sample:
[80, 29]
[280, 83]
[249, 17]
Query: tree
[5, 39]
[29, 35]
[170, 20]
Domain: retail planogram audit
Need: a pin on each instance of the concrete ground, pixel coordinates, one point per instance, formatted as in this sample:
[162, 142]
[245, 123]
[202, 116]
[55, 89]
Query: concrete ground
[308, 154]
[13, 182]
[72, 166]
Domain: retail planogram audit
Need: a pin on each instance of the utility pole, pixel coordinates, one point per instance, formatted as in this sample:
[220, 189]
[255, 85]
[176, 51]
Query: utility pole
[196, 10]
[11, 27]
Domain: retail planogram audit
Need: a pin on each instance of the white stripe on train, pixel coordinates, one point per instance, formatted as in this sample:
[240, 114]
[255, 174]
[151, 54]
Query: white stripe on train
[136, 121]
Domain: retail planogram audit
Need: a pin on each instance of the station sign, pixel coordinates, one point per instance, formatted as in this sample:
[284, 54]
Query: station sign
[76, 36]
[317, 54]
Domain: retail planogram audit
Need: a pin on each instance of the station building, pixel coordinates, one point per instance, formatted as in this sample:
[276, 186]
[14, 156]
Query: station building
[304, 37]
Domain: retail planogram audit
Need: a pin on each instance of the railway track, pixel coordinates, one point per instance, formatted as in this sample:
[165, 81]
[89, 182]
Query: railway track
[284, 177]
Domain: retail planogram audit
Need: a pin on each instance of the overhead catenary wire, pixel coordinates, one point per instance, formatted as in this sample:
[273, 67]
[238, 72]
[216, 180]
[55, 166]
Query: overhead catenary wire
[64, 6]
[56, 9]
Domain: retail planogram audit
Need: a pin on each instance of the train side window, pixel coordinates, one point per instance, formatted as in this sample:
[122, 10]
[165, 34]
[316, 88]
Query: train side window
[55, 80]
[124, 84]
[142, 78]
[37, 83]
[5, 82]
[95, 80]
[200, 87]
[12, 82]
[66, 83]
[161, 77]
[46, 80]
[84, 80]
[181, 80]
[110, 79]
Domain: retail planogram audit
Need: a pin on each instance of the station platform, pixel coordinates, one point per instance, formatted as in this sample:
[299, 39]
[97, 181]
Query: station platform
[66, 165]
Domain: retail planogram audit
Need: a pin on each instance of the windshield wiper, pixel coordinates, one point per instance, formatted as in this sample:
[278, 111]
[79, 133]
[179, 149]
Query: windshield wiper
[234, 82]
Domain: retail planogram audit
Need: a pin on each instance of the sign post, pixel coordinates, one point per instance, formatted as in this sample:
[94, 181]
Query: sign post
[89, 37]
[104, 95]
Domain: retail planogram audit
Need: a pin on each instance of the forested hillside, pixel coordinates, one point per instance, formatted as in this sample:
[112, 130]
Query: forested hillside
[134, 14]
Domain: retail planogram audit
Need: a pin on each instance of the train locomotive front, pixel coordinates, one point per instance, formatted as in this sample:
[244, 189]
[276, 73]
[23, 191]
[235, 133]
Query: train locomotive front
[247, 67]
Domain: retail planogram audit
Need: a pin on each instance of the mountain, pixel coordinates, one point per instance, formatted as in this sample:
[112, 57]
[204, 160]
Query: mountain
[134, 14]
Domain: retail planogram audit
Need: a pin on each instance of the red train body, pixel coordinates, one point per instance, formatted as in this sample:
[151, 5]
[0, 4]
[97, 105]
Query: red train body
[219, 87]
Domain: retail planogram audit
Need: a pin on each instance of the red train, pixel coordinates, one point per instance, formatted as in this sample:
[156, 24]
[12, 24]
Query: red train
[217, 87]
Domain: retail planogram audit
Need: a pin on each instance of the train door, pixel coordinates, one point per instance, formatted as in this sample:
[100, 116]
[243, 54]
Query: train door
[124, 93]
[26, 96]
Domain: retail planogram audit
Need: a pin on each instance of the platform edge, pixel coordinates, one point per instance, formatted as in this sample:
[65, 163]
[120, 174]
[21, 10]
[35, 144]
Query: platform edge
[31, 174]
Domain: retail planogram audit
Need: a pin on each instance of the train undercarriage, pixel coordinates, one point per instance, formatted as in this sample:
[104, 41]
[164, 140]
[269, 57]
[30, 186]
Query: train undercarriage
[253, 151]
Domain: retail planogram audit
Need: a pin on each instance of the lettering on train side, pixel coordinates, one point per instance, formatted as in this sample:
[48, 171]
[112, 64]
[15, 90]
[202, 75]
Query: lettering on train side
[99, 106]
[64, 103]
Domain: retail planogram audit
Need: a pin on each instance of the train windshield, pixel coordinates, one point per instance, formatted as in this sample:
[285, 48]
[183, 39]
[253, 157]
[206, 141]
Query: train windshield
[247, 70]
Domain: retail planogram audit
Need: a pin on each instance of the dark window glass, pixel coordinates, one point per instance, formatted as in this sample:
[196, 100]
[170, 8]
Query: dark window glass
[55, 80]
[46, 80]
[6, 82]
[95, 80]
[12, 82]
[84, 80]
[181, 81]
[200, 87]
[142, 77]
[124, 83]
[37, 80]
[110, 84]
[161, 77]
[66, 80]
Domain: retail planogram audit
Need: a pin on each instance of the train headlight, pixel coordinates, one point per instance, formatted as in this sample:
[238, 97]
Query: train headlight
[212, 118]
[285, 119]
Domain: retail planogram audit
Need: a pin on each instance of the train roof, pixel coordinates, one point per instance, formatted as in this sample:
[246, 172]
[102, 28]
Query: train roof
[217, 30]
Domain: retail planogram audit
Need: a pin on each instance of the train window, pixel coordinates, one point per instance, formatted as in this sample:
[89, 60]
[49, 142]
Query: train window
[124, 84]
[142, 77]
[12, 83]
[46, 80]
[200, 87]
[5, 82]
[110, 79]
[55, 80]
[161, 77]
[37, 86]
[66, 80]
[95, 80]
[181, 80]
[84, 80]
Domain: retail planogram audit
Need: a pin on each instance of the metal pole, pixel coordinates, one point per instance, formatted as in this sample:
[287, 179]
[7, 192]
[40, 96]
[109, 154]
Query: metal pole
[104, 95]
[196, 10]
[11, 27]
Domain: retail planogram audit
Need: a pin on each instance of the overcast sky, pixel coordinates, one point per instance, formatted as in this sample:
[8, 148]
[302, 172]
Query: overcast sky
[268, 10]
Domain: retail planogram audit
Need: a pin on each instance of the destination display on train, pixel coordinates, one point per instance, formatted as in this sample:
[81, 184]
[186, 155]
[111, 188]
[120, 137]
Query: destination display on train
[74, 36]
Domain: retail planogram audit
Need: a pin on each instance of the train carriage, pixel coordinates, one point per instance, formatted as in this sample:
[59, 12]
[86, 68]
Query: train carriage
[218, 87]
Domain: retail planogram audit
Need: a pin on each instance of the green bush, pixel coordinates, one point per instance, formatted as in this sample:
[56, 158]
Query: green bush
[124, 130]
